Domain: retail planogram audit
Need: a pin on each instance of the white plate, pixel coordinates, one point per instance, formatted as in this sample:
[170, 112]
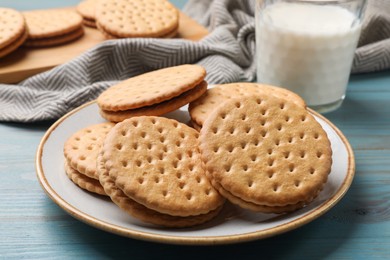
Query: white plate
[231, 226]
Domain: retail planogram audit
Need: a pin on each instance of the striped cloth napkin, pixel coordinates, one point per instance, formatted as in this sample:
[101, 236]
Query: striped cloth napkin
[227, 54]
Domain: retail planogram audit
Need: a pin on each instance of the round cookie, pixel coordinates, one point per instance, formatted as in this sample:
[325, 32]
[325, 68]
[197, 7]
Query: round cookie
[51, 23]
[87, 8]
[151, 88]
[157, 109]
[82, 148]
[202, 107]
[143, 213]
[266, 151]
[156, 162]
[109, 36]
[12, 26]
[55, 40]
[136, 18]
[84, 182]
[13, 46]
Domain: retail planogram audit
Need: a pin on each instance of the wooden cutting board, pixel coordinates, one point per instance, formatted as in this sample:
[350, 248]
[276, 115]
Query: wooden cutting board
[26, 62]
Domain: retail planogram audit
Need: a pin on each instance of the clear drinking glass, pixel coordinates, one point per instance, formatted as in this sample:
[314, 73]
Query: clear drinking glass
[308, 47]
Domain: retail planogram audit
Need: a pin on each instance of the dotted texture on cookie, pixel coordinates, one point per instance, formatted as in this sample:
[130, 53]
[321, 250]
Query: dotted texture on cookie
[82, 148]
[12, 26]
[156, 162]
[151, 88]
[50, 23]
[14, 45]
[257, 207]
[143, 213]
[266, 150]
[202, 107]
[136, 18]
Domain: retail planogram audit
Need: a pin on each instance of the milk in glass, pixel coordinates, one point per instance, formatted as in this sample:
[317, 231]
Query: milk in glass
[308, 49]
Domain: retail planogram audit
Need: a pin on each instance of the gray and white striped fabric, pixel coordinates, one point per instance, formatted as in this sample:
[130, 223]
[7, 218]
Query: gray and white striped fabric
[227, 53]
[373, 52]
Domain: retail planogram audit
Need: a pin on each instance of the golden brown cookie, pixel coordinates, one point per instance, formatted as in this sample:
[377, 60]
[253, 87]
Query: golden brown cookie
[52, 27]
[155, 161]
[157, 109]
[82, 148]
[14, 45]
[255, 207]
[143, 213]
[49, 23]
[266, 151]
[12, 26]
[136, 18]
[202, 107]
[56, 40]
[151, 88]
[109, 36]
[84, 182]
[12, 30]
[86, 9]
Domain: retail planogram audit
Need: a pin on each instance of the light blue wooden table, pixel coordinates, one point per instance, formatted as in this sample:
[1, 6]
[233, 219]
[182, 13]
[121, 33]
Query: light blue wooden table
[33, 227]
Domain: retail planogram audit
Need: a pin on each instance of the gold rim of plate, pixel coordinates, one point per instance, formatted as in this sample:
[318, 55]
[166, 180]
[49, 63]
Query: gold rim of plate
[193, 240]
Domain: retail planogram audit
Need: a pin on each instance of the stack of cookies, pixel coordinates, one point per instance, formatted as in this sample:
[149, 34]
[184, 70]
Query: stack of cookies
[13, 30]
[265, 153]
[136, 18]
[114, 18]
[154, 93]
[86, 9]
[151, 168]
[81, 151]
[262, 149]
[52, 27]
[257, 146]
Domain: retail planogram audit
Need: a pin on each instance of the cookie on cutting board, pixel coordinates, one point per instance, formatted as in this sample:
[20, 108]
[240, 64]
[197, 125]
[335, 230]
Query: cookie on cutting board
[13, 30]
[136, 18]
[52, 27]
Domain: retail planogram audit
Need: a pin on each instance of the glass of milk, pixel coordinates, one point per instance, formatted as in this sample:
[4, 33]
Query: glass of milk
[308, 47]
